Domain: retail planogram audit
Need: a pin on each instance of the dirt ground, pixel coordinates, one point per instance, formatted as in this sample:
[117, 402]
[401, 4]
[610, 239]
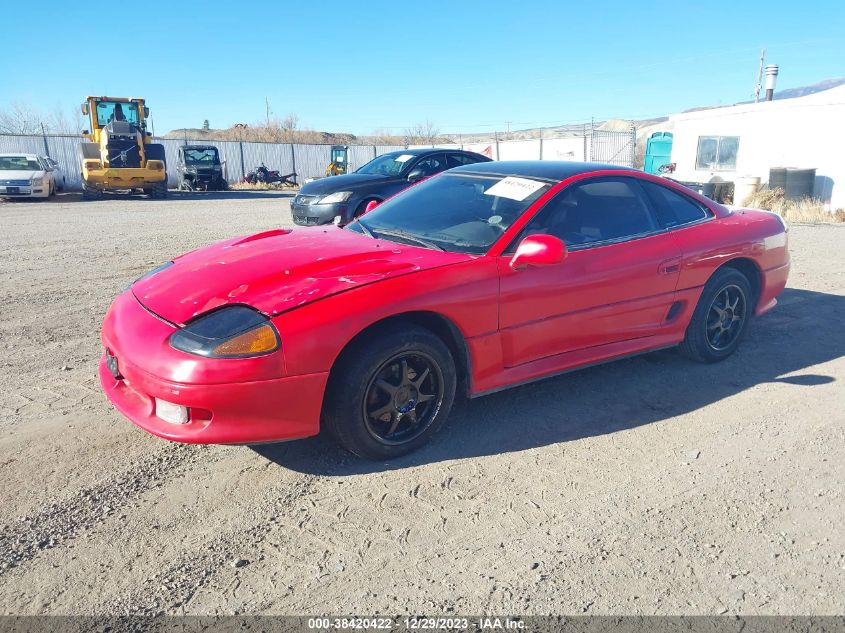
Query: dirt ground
[650, 486]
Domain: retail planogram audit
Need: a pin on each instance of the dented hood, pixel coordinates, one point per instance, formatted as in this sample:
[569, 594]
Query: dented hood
[279, 270]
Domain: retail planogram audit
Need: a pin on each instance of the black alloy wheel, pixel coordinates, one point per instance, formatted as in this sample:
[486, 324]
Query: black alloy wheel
[403, 398]
[726, 317]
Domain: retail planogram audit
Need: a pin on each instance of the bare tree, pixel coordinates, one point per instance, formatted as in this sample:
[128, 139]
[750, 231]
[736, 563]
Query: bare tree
[422, 133]
[20, 118]
[290, 123]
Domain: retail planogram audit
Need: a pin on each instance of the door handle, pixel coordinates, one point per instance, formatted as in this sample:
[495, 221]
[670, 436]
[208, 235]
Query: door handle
[670, 266]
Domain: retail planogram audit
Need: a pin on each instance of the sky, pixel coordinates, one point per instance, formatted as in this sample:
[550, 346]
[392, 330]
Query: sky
[465, 66]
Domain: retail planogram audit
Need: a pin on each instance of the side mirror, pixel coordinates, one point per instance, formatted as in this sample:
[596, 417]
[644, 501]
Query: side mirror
[146, 112]
[85, 132]
[85, 108]
[538, 250]
[372, 204]
[416, 175]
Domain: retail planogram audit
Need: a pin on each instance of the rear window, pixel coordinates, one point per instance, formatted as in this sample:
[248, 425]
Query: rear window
[674, 209]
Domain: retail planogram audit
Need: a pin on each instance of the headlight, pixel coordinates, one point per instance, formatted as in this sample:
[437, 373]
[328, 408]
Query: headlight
[340, 196]
[231, 332]
[37, 181]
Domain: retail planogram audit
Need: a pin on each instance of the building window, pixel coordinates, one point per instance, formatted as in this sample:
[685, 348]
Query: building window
[717, 153]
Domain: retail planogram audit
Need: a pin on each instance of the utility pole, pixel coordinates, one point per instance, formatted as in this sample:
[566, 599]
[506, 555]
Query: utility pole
[759, 85]
[267, 110]
[509, 126]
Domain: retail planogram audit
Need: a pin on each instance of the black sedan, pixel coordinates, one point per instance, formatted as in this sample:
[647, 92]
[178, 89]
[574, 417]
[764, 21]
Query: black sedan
[339, 199]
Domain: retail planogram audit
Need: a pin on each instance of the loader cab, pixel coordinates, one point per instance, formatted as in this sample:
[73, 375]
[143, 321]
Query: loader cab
[102, 111]
[118, 126]
[339, 163]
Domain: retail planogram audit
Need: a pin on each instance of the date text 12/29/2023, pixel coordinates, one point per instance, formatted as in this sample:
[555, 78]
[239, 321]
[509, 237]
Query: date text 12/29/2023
[416, 623]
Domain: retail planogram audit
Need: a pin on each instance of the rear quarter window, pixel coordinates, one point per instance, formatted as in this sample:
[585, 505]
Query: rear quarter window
[673, 208]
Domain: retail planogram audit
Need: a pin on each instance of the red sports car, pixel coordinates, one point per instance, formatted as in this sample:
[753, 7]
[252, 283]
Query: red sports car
[481, 278]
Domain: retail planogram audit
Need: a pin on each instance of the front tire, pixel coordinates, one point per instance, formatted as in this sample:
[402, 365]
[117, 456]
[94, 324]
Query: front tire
[721, 317]
[390, 392]
[158, 191]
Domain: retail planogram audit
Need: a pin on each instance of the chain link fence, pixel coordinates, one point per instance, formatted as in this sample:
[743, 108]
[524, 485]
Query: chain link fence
[310, 161]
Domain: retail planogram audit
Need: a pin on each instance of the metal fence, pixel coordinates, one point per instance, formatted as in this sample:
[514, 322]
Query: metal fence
[614, 147]
[310, 161]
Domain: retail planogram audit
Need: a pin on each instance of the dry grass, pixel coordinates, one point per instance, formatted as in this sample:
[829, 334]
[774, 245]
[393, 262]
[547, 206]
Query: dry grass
[259, 186]
[806, 210]
[245, 186]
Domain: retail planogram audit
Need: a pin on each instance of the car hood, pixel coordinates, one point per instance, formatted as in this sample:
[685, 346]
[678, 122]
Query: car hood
[339, 183]
[19, 174]
[279, 270]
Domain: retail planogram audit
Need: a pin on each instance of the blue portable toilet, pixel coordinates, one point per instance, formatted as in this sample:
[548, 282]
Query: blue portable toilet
[658, 151]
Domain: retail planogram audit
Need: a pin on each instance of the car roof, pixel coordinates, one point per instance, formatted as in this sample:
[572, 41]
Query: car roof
[555, 170]
[419, 151]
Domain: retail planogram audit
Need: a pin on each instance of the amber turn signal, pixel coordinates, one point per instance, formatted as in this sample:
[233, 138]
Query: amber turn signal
[258, 341]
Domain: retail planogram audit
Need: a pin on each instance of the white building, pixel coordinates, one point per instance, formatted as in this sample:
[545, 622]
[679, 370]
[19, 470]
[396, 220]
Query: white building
[747, 140]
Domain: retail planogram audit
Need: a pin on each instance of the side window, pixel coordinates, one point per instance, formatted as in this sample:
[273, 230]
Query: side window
[597, 210]
[456, 160]
[673, 209]
[717, 153]
[431, 165]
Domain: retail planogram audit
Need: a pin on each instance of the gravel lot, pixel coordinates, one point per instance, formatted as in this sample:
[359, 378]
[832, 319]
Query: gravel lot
[649, 486]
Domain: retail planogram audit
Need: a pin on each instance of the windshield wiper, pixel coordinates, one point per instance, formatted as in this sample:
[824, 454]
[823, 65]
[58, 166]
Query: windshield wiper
[412, 238]
[367, 231]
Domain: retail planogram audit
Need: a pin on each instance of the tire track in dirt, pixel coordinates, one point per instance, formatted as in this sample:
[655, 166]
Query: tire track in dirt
[62, 521]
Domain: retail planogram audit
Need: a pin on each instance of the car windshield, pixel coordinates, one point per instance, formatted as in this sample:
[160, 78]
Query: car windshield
[108, 111]
[459, 212]
[19, 163]
[207, 156]
[386, 164]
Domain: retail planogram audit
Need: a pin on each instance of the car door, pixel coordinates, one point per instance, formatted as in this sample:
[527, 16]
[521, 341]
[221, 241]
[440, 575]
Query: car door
[617, 282]
[58, 174]
[49, 175]
[430, 164]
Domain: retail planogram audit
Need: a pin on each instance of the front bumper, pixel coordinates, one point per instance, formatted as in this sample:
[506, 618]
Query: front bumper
[220, 411]
[313, 214]
[123, 177]
[25, 191]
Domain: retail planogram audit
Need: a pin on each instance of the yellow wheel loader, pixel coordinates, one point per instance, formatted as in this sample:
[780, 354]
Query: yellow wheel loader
[118, 153]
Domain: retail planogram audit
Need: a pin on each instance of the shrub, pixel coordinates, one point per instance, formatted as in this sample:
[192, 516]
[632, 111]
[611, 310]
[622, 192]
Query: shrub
[806, 210]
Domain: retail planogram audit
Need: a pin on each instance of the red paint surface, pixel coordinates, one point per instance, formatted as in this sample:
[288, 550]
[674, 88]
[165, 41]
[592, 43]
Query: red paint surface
[323, 286]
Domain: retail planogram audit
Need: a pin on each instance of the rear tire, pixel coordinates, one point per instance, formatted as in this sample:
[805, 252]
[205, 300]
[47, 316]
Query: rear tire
[158, 191]
[390, 392]
[91, 193]
[721, 317]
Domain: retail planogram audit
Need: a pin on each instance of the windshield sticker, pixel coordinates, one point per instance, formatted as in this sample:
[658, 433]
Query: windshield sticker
[403, 158]
[514, 188]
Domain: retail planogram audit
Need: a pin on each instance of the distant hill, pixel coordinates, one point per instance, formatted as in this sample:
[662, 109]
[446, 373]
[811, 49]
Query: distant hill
[827, 84]
[789, 93]
[557, 131]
